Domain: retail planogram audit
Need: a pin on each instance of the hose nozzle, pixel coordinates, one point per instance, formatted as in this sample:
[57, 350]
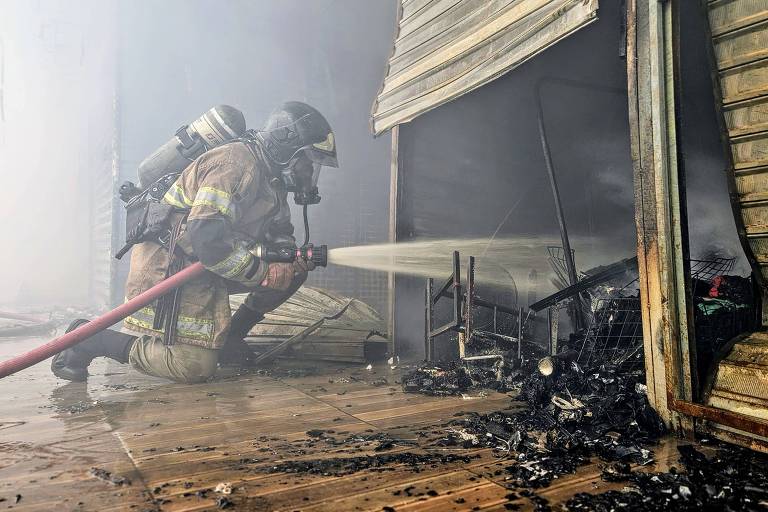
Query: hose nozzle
[288, 253]
[316, 254]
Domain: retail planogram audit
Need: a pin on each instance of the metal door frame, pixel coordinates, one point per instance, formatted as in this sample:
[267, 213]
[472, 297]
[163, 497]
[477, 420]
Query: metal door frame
[661, 223]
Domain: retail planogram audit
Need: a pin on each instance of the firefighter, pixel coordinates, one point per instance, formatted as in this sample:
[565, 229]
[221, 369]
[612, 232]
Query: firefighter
[229, 198]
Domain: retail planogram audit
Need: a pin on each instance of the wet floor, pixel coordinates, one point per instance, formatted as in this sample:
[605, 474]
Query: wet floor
[125, 441]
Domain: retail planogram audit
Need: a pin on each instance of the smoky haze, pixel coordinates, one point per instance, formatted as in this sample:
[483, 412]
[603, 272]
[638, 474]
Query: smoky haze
[89, 88]
[178, 58]
[56, 93]
[89, 84]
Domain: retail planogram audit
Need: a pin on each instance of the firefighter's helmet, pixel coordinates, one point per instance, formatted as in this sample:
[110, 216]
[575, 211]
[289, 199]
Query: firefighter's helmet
[295, 127]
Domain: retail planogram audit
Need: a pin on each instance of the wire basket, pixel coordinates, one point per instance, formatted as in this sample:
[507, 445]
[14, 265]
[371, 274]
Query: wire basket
[615, 334]
[706, 270]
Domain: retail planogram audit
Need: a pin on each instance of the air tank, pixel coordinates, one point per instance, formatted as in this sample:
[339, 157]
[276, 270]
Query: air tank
[219, 125]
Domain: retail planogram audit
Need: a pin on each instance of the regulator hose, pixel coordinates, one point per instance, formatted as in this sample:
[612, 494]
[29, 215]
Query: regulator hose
[97, 325]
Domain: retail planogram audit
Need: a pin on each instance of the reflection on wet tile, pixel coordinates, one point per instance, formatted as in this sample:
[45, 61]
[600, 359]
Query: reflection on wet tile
[174, 443]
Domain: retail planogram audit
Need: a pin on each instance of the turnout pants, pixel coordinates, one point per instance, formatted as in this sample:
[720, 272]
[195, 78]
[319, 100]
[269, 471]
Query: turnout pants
[189, 364]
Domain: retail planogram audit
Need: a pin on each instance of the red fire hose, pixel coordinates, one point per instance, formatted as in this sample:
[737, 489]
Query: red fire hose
[106, 320]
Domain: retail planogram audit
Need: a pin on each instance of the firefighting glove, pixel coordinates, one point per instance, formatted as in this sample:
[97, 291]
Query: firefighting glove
[279, 276]
[302, 266]
[253, 274]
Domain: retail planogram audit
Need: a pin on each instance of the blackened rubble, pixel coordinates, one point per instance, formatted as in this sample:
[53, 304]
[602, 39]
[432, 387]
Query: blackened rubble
[593, 404]
[455, 378]
[572, 417]
[103, 474]
[379, 441]
[438, 379]
[338, 466]
[733, 479]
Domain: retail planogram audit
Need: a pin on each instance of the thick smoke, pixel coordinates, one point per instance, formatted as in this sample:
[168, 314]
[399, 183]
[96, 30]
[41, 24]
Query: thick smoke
[57, 86]
[88, 88]
[79, 75]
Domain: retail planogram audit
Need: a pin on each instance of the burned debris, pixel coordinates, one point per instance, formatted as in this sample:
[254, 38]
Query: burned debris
[572, 418]
[448, 379]
[586, 395]
[731, 479]
[338, 466]
[457, 378]
[109, 477]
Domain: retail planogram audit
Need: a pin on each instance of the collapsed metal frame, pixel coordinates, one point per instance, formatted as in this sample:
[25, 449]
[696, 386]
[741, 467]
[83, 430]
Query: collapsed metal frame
[453, 283]
[568, 260]
[464, 300]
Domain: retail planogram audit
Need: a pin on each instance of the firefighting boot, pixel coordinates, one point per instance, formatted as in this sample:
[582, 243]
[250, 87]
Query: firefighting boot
[72, 363]
[236, 351]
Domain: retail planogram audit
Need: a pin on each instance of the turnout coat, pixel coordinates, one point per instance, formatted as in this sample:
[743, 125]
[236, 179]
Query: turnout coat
[231, 193]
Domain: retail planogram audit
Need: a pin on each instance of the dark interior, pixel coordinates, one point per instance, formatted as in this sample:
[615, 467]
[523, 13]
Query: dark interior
[486, 145]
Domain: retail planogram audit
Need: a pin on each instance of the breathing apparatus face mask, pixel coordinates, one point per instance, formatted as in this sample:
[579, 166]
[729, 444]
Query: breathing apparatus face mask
[301, 176]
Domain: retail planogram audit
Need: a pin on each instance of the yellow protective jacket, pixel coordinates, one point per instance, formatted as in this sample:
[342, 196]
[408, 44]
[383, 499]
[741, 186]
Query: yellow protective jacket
[231, 201]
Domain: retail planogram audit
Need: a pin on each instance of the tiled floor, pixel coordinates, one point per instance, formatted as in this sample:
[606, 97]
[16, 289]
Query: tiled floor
[177, 442]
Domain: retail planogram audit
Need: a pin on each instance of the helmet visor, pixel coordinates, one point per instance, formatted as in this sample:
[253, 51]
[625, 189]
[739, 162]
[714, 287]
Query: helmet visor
[323, 152]
[321, 157]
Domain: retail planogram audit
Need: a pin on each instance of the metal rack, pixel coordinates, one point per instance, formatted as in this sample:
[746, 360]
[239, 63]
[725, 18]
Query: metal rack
[615, 334]
[464, 301]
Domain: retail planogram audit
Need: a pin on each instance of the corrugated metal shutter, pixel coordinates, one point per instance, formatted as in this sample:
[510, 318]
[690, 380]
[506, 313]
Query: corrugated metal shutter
[740, 39]
[446, 48]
